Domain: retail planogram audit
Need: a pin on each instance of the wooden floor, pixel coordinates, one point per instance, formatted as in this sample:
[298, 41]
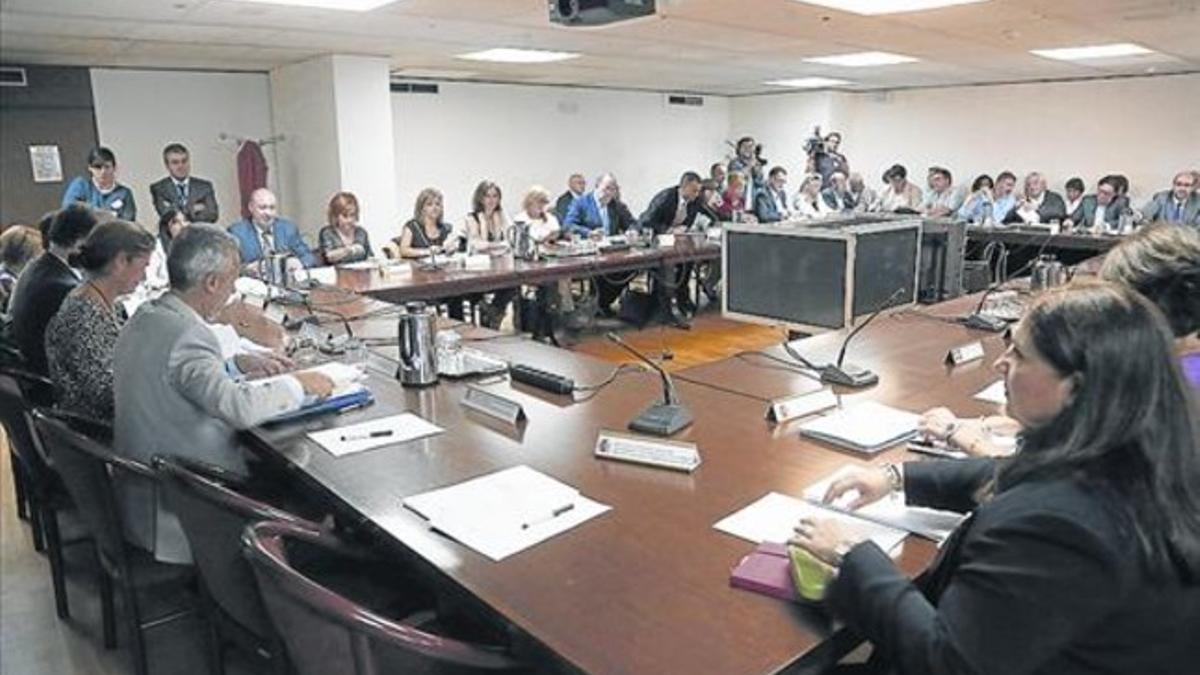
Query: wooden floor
[34, 642]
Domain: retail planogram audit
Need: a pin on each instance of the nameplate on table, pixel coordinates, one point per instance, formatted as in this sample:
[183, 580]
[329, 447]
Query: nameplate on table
[665, 240]
[791, 407]
[492, 405]
[971, 351]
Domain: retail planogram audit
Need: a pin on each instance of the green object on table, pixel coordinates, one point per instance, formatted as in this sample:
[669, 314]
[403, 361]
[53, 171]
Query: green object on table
[810, 574]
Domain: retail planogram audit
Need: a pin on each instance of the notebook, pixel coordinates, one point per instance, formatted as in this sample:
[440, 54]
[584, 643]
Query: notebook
[866, 427]
[766, 570]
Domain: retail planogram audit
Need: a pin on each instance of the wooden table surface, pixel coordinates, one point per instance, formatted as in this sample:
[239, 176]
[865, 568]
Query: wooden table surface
[1041, 238]
[505, 272]
[645, 587]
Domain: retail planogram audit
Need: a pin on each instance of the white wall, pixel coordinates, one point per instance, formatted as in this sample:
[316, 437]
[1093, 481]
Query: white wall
[140, 111]
[519, 136]
[305, 115]
[364, 136]
[1142, 127]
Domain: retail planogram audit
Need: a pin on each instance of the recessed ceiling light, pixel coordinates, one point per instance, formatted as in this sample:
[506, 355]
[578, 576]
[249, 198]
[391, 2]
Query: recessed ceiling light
[862, 59]
[509, 55]
[348, 5]
[808, 82]
[875, 7]
[1092, 52]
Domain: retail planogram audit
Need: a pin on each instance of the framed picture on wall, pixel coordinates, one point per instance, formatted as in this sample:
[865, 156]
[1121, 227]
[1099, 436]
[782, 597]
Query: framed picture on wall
[46, 163]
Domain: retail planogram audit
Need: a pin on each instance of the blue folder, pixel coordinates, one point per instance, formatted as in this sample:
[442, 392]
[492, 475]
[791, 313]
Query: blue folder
[356, 399]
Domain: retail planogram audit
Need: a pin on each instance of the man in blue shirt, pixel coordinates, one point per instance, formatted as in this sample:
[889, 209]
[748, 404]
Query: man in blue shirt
[589, 215]
[265, 234]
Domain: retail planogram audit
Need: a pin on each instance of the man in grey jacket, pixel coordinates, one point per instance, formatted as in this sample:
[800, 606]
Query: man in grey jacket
[1180, 204]
[176, 395]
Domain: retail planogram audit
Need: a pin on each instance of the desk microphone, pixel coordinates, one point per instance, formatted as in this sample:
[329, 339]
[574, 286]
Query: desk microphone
[980, 321]
[849, 374]
[660, 419]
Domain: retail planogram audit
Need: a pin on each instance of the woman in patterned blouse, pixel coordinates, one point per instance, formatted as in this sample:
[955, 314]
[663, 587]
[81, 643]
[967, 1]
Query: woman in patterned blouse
[81, 337]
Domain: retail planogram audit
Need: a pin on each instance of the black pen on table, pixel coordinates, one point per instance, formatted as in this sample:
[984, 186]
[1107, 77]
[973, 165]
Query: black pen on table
[362, 437]
[553, 514]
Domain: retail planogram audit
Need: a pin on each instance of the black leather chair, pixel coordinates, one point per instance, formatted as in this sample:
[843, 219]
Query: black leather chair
[327, 632]
[87, 467]
[214, 514]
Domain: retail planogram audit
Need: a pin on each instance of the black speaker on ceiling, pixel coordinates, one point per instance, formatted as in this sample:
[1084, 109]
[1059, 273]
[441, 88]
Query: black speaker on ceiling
[590, 13]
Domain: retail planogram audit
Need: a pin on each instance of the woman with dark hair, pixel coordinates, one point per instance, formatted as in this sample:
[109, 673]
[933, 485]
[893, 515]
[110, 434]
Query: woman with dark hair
[342, 240]
[170, 225]
[979, 201]
[1162, 262]
[101, 190]
[426, 232]
[81, 337]
[900, 195]
[484, 229]
[1082, 551]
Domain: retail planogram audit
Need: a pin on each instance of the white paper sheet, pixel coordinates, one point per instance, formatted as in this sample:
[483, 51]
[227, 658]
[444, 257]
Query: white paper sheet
[891, 510]
[342, 441]
[774, 517]
[866, 427]
[993, 393]
[505, 512]
[322, 275]
[361, 265]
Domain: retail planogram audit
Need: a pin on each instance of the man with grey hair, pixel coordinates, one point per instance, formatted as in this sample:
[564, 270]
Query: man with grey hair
[1038, 205]
[1180, 204]
[176, 395]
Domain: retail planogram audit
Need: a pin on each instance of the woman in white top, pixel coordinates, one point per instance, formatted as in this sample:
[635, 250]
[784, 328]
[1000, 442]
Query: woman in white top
[485, 225]
[900, 194]
[156, 282]
[543, 225]
[554, 299]
[808, 202]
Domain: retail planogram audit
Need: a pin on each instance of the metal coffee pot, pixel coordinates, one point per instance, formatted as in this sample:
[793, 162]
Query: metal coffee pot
[520, 240]
[417, 334]
[1047, 272]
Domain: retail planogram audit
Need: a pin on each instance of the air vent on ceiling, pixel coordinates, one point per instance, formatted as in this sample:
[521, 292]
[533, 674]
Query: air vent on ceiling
[414, 88]
[679, 99]
[12, 76]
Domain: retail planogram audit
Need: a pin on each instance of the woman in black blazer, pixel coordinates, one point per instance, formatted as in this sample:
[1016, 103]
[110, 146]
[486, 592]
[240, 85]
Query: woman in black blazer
[1082, 552]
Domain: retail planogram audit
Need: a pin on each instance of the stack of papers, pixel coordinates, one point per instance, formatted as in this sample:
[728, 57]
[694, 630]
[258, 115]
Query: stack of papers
[505, 512]
[375, 433]
[774, 518]
[866, 427]
[891, 510]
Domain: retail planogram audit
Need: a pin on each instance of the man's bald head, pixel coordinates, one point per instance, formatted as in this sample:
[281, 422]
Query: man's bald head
[263, 207]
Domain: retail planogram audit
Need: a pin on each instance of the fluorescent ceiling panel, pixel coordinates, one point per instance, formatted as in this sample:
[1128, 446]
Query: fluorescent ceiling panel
[877, 7]
[346, 5]
[808, 82]
[509, 55]
[862, 59]
[1092, 52]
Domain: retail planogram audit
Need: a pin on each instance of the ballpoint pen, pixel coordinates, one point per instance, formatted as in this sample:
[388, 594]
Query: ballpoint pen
[363, 437]
[553, 514]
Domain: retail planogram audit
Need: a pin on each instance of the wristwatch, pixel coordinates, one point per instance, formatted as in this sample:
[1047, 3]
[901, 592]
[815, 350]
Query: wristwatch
[895, 478]
[840, 551]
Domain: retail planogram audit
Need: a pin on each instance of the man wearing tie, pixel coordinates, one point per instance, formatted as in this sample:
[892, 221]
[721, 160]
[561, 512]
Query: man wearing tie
[265, 234]
[182, 191]
[1180, 204]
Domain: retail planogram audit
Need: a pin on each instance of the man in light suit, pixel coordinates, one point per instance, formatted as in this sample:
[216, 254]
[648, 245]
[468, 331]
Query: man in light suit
[1038, 205]
[182, 191]
[1180, 204]
[1100, 211]
[176, 395]
[266, 233]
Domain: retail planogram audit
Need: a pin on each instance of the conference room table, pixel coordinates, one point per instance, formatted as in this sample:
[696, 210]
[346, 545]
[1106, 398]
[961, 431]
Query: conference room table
[645, 587]
[483, 274]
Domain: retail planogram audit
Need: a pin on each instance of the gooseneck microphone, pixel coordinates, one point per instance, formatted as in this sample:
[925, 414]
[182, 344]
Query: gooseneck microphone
[980, 321]
[660, 419]
[849, 374]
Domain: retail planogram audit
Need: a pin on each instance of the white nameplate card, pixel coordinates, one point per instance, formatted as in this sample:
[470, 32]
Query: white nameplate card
[994, 393]
[971, 351]
[674, 455]
[666, 240]
[494, 406]
[789, 408]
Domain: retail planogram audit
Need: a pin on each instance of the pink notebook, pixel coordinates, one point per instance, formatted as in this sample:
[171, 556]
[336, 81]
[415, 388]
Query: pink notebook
[767, 570]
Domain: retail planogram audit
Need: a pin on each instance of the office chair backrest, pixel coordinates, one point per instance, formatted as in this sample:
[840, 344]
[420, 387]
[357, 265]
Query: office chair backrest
[84, 463]
[328, 633]
[213, 517]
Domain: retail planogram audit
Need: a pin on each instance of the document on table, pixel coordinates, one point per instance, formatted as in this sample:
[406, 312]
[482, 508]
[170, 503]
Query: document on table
[326, 275]
[993, 393]
[505, 512]
[866, 427]
[932, 524]
[774, 517]
[391, 430]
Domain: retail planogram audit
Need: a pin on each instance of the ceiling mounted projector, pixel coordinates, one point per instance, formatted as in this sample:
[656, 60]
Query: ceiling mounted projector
[588, 13]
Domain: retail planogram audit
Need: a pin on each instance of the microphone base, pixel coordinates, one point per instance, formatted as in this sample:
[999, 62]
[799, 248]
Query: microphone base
[985, 322]
[849, 375]
[662, 420]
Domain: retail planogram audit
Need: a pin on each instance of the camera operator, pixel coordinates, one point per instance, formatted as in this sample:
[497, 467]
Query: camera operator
[823, 156]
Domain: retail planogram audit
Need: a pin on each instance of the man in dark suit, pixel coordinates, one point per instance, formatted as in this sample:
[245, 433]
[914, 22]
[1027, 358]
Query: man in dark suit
[182, 191]
[576, 184]
[46, 282]
[673, 210]
[1098, 212]
[1039, 204]
[838, 195]
[1180, 204]
[771, 202]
